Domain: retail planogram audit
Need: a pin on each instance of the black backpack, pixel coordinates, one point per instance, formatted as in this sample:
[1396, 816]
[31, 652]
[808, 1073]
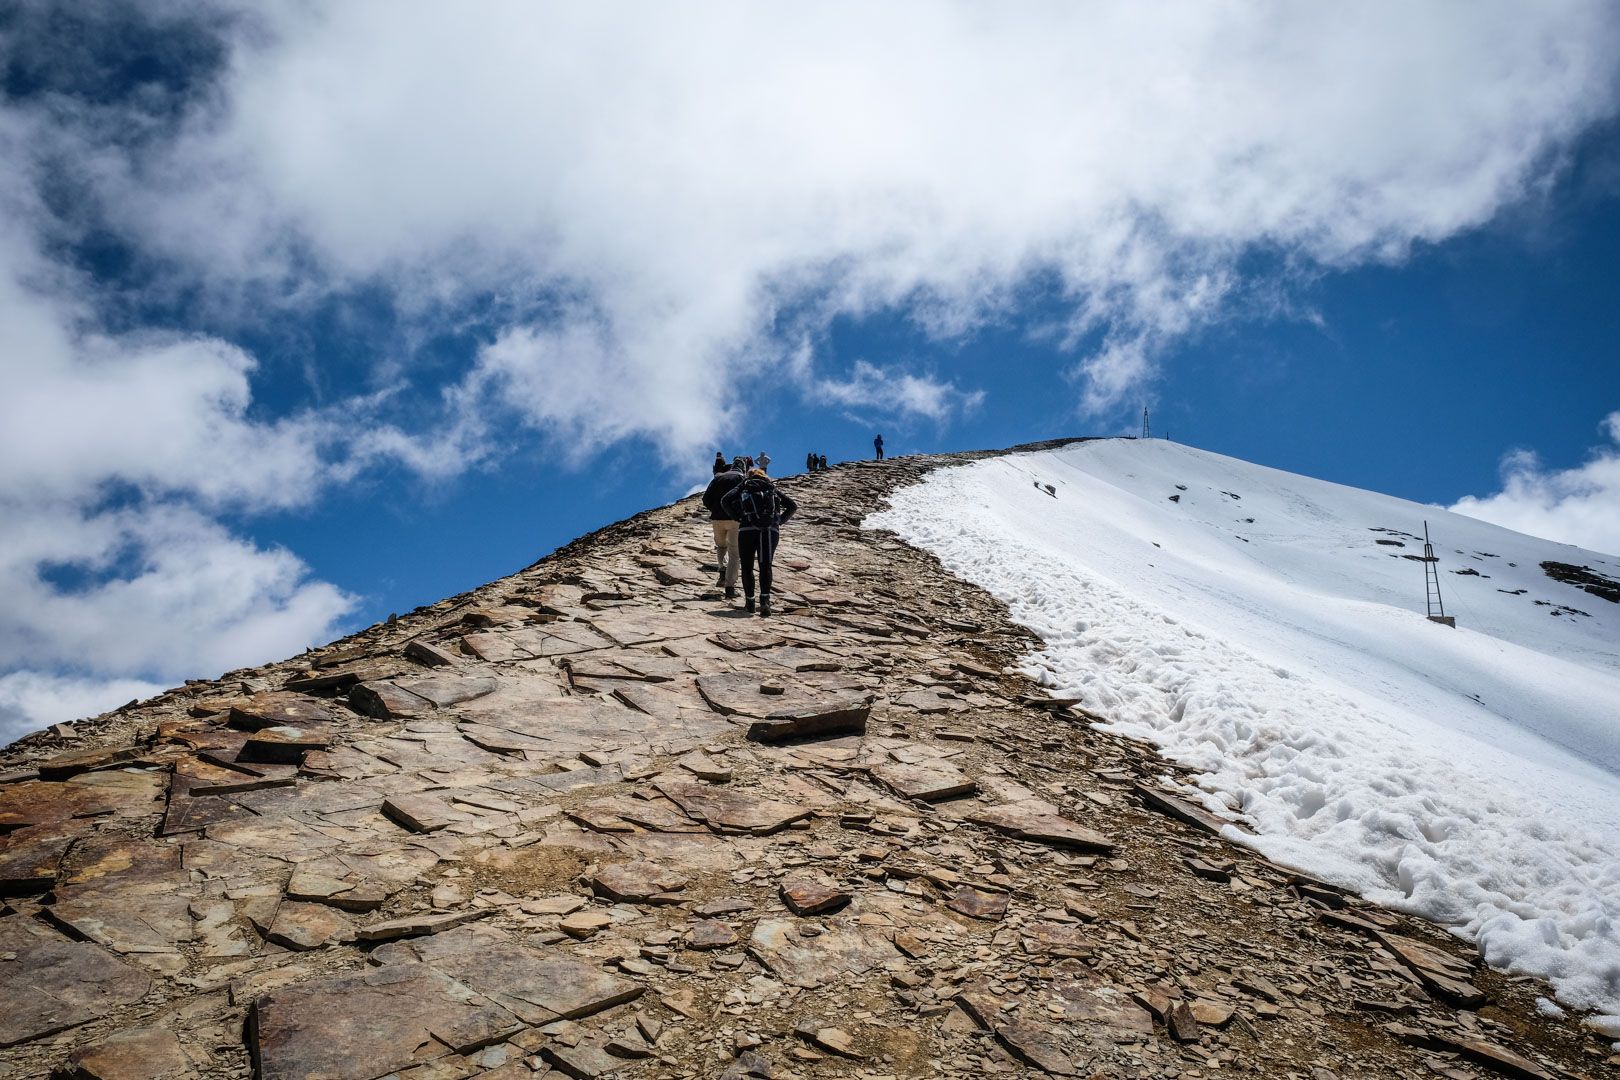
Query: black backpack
[759, 508]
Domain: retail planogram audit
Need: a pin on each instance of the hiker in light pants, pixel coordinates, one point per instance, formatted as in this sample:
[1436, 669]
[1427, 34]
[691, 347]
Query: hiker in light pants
[725, 526]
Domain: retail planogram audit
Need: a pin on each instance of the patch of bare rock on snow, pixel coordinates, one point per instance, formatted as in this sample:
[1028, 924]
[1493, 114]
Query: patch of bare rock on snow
[590, 820]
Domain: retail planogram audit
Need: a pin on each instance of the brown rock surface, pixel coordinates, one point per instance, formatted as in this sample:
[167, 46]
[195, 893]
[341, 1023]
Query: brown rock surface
[553, 824]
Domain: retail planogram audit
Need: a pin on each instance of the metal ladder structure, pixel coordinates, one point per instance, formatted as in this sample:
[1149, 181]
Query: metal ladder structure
[1431, 584]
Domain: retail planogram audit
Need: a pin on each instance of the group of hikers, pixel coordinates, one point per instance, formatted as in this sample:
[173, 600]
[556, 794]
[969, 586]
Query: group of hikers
[747, 512]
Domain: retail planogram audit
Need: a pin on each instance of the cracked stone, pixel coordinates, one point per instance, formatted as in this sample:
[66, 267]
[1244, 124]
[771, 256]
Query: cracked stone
[925, 783]
[302, 926]
[143, 1053]
[356, 1027]
[638, 882]
[50, 983]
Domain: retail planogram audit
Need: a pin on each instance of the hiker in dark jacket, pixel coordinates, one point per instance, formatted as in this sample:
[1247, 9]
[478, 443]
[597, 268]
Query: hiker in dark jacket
[724, 524]
[821, 462]
[810, 462]
[719, 463]
[760, 510]
[877, 444]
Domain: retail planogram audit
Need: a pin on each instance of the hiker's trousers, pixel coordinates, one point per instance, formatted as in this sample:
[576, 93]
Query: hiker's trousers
[757, 544]
[725, 546]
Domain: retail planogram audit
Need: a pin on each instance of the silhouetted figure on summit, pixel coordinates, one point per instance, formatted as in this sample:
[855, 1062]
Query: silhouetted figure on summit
[760, 510]
[821, 463]
[877, 444]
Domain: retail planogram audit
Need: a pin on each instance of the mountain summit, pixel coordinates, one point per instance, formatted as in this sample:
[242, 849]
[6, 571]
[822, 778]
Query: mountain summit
[592, 820]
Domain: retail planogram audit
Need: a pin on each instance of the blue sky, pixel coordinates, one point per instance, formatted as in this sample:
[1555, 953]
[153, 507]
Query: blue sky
[312, 315]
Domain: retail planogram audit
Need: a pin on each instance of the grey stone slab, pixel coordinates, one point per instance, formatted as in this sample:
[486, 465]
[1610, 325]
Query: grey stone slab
[361, 1026]
[812, 961]
[386, 700]
[50, 983]
[277, 709]
[1031, 824]
[142, 1053]
[727, 810]
[447, 690]
[925, 783]
[538, 985]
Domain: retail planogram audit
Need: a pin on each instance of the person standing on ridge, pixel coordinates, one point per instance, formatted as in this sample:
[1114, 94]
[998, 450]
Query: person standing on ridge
[719, 463]
[877, 444]
[810, 462]
[724, 524]
[761, 510]
[821, 462]
[764, 461]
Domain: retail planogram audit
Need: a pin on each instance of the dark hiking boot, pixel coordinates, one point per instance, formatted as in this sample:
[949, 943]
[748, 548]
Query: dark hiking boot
[731, 594]
[722, 580]
[764, 606]
[748, 603]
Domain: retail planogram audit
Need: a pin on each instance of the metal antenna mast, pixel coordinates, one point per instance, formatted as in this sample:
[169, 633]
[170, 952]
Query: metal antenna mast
[1146, 434]
[1431, 583]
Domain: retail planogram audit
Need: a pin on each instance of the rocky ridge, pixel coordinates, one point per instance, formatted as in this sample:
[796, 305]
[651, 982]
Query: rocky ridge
[591, 820]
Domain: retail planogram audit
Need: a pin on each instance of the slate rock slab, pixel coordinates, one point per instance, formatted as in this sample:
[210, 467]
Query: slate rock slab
[977, 903]
[29, 858]
[1027, 823]
[1036, 1046]
[356, 1027]
[386, 701]
[300, 926]
[52, 983]
[638, 882]
[805, 894]
[447, 690]
[841, 715]
[143, 1053]
[277, 710]
[925, 783]
[728, 811]
[809, 962]
[538, 985]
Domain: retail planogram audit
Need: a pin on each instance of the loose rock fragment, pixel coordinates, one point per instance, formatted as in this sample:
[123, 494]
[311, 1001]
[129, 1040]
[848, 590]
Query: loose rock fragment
[422, 813]
[837, 717]
[638, 882]
[977, 903]
[805, 894]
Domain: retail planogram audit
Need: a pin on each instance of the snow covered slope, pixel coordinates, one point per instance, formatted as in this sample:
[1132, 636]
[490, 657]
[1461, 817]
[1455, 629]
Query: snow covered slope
[1269, 630]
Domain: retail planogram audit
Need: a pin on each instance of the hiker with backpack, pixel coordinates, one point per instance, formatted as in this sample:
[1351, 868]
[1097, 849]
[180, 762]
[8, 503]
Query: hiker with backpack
[724, 524]
[760, 510]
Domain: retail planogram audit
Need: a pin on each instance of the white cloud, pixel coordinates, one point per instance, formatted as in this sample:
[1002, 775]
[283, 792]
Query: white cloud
[30, 701]
[1579, 506]
[898, 394]
[116, 452]
[682, 179]
[661, 203]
